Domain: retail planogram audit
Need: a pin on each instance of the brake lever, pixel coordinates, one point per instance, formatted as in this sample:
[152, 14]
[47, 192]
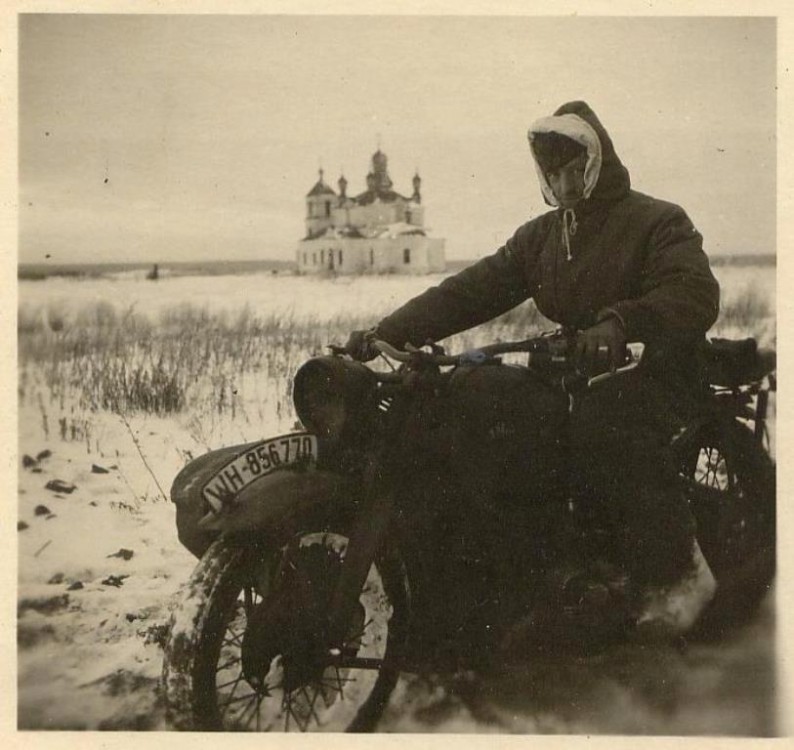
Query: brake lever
[596, 379]
[634, 352]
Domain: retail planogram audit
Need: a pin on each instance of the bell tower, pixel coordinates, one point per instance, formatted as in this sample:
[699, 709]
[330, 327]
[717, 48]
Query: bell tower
[320, 201]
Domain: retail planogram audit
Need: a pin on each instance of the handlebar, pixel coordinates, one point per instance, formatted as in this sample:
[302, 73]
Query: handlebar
[536, 346]
[548, 349]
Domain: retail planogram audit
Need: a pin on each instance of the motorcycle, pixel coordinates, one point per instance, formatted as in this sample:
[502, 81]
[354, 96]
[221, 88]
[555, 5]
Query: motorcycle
[424, 519]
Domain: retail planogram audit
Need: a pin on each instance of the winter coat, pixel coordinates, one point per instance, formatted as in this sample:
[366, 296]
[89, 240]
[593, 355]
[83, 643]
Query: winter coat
[619, 253]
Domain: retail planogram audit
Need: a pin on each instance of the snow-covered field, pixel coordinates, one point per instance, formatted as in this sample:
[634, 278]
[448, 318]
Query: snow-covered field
[99, 561]
[291, 296]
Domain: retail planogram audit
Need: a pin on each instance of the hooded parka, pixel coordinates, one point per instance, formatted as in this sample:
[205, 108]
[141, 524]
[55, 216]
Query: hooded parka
[618, 252]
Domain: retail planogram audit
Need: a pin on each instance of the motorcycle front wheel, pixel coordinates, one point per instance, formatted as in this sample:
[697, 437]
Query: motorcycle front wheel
[288, 583]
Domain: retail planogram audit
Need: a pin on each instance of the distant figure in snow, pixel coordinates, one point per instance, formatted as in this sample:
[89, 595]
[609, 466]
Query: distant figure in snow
[614, 265]
[154, 274]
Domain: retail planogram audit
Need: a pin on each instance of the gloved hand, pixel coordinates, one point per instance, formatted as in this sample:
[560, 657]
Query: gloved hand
[601, 347]
[358, 345]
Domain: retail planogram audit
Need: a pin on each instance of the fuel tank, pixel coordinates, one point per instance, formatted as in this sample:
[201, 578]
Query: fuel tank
[507, 430]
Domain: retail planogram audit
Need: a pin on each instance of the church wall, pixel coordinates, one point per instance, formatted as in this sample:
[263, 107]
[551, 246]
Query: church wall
[376, 213]
[340, 216]
[377, 256]
[415, 214]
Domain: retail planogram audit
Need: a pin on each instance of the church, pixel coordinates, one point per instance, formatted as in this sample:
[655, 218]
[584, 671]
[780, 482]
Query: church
[377, 231]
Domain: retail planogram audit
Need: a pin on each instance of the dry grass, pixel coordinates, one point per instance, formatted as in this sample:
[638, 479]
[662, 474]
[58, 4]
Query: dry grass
[213, 366]
[745, 309]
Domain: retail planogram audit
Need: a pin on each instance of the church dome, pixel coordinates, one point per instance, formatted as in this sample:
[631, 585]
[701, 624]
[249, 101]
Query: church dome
[379, 161]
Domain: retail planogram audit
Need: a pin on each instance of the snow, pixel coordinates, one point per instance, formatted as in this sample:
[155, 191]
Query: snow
[95, 643]
[292, 297]
[90, 657]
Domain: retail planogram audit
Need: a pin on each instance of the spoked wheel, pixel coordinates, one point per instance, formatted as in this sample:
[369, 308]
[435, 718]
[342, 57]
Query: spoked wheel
[730, 483]
[252, 657]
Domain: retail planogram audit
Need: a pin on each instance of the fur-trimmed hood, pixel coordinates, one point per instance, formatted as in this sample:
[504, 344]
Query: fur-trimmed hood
[605, 177]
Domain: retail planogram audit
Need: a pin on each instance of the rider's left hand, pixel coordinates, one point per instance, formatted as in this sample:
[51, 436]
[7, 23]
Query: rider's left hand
[602, 346]
[359, 345]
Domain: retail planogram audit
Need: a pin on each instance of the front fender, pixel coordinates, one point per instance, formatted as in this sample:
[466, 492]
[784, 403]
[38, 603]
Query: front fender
[284, 493]
[190, 505]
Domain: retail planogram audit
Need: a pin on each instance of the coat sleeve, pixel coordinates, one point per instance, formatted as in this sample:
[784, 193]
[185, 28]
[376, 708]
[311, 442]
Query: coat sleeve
[475, 295]
[679, 296]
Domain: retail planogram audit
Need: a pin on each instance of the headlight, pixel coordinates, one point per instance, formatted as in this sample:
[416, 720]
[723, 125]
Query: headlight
[331, 394]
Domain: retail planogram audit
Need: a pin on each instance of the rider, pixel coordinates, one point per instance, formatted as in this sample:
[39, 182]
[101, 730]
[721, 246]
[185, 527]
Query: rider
[617, 266]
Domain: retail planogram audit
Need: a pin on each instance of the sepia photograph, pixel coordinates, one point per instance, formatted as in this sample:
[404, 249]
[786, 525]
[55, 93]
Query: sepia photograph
[404, 373]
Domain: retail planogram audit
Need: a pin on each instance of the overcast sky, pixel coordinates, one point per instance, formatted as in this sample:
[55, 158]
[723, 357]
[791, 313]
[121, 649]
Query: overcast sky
[162, 138]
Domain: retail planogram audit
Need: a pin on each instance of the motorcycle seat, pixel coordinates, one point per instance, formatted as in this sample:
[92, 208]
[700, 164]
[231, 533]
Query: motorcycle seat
[731, 363]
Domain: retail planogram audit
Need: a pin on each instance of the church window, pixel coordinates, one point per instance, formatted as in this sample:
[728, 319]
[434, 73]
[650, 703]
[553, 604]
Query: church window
[327, 209]
[407, 255]
[340, 257]
[371, 257]
[322, 257]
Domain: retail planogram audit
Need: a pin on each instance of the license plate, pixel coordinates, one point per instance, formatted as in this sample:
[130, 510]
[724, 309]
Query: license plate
[258, 461]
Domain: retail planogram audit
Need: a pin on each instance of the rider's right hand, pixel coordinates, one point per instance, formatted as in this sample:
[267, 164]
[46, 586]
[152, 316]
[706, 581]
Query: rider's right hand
[359, 345]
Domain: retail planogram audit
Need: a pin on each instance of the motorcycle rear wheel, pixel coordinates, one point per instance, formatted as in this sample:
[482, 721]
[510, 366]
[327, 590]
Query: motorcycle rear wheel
[204, 685]
[730, 483]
